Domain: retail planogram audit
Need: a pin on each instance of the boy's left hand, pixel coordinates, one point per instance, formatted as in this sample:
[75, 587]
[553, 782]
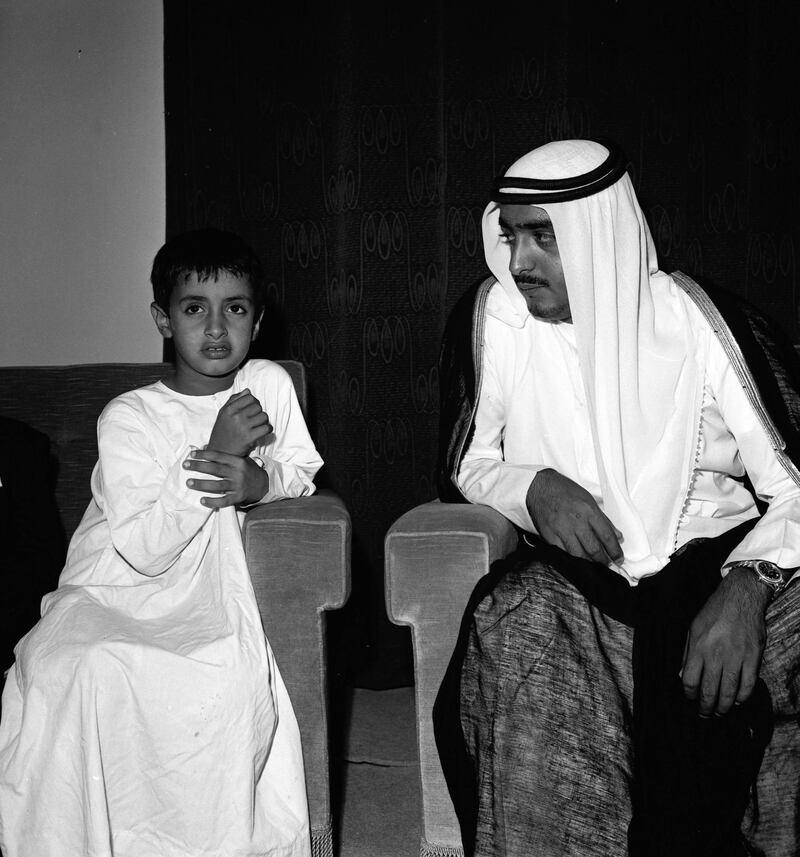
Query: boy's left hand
[240, 480]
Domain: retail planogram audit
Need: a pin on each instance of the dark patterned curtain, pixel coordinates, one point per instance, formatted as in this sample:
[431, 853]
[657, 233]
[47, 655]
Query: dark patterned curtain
[353, 145]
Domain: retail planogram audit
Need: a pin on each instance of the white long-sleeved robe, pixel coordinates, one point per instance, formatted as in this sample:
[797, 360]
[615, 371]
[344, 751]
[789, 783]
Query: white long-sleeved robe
[539, 361]
[145, 715]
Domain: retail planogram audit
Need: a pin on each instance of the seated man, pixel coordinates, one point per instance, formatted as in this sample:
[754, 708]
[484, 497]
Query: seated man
[610, 698]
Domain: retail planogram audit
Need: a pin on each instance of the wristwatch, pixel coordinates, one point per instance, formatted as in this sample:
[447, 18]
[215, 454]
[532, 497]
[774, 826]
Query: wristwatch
[767, 572]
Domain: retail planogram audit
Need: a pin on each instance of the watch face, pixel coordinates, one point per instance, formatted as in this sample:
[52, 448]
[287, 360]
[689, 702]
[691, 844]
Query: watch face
[769, 572]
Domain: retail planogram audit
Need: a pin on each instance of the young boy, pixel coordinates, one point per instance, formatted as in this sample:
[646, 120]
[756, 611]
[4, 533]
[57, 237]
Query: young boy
[145, 714]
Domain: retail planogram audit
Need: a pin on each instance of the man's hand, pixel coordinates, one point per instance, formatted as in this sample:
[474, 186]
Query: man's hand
[725, 643]
[567, 516]
[241, 425]
[240, 480]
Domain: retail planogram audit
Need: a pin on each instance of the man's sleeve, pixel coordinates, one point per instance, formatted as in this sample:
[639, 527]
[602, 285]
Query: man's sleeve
[484, 476]
[776, 536]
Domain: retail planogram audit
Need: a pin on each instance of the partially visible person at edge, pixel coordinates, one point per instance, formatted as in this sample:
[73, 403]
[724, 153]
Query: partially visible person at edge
[30, 530]
[145, 714]
[623, 673]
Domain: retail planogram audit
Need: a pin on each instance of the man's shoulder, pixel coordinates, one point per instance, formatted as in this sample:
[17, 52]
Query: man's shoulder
[730, 313]
[765, 355]
[477, 292]
[471, 302]
[710, 298]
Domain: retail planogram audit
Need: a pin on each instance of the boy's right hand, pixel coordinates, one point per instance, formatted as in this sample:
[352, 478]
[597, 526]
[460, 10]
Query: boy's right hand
[241, 425]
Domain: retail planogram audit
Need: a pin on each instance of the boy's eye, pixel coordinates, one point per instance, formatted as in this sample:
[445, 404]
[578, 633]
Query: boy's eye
[506, 237]
[193, 309]
[237, 309]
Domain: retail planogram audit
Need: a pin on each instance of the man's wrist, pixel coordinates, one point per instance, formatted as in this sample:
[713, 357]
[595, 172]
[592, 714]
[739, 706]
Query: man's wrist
[744, 578]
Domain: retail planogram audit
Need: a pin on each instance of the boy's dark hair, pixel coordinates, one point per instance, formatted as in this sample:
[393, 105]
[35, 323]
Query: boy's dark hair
[205, 252]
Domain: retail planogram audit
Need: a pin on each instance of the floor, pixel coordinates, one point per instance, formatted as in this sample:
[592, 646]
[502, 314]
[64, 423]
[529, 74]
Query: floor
[378, 776]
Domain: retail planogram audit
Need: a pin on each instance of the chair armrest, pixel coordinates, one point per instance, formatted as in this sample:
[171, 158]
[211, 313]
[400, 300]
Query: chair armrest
[435, 553]
[434, 556]
[309, 536]
[298, 554]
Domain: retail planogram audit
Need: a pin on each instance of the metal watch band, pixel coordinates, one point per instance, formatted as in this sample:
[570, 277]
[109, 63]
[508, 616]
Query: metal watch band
[767, 572]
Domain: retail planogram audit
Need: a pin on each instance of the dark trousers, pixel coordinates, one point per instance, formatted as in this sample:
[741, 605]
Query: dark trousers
[691, 778]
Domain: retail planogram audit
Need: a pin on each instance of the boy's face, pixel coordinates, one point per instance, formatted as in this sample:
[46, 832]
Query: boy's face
[212, 323]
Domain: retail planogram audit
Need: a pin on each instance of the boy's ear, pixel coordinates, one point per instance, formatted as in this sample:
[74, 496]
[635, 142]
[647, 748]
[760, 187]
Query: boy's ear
[256, 326]
[162, 320]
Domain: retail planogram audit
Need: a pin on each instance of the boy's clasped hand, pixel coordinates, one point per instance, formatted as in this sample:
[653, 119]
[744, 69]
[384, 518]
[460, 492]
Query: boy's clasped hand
[240, 427]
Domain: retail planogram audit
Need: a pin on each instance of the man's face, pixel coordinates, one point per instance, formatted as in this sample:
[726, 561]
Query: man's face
[535, 262]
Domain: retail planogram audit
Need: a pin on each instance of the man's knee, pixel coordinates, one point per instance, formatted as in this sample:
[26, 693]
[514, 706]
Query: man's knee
[524, 582]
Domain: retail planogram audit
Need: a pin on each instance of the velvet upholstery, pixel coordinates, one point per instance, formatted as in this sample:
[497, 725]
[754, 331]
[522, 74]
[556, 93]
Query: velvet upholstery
[298, 551]
[435, 553]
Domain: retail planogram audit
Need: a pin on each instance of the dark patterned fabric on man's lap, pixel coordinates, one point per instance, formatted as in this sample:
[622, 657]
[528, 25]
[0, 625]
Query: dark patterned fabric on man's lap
[576, 721]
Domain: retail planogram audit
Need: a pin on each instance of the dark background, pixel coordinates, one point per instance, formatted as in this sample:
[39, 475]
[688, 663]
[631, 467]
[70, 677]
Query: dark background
[353, 146]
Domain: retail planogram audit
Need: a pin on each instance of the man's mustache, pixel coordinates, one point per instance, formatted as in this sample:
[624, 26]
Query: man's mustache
[530, 280]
